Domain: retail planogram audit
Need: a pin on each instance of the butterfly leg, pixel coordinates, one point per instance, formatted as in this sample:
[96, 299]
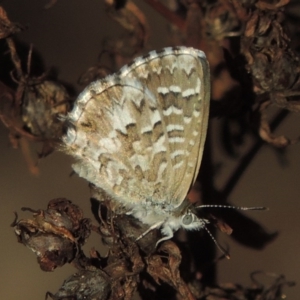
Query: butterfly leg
[168, 234]
[154, 226]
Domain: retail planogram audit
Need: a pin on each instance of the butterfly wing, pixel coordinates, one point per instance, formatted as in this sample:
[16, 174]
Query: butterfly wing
[139, 134]
[179, 78]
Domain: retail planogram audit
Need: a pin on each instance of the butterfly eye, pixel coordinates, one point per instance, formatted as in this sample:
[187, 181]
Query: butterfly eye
[187, 219]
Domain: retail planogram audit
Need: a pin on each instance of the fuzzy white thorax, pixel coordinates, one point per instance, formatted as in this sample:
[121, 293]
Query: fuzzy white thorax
[167, 222]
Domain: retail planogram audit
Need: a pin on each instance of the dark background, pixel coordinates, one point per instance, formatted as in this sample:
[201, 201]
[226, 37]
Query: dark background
[69, 37]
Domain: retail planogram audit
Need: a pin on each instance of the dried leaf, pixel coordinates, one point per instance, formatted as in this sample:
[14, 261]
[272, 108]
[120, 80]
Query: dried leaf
[265, 131]
[7, 28]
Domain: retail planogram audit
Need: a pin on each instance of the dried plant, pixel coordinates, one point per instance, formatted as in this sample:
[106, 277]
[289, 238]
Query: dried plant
[253, 66]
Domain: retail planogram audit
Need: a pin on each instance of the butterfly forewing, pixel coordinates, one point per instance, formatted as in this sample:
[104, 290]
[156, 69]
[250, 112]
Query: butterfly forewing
[139, 134]
[180, 81]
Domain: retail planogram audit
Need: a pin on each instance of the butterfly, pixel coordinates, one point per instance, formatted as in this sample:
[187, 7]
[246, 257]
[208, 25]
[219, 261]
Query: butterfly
[139, 136]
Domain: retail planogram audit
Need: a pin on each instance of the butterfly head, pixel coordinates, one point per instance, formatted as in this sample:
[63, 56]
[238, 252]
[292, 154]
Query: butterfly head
[188, 221]
[183, 217]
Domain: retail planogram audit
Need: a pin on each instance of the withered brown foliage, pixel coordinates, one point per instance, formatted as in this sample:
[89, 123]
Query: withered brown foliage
[253, 67]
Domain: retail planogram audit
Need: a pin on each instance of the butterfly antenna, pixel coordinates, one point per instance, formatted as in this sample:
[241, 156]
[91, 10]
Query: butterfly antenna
[226, 254]
[233, 207]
